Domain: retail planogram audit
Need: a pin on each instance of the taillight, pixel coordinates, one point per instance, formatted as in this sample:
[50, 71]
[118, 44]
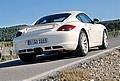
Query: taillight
[66, 28]
[18, 34]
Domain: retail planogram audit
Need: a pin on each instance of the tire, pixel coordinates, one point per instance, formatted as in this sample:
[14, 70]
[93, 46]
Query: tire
[104, 41]
[27, 57]
[83, 44]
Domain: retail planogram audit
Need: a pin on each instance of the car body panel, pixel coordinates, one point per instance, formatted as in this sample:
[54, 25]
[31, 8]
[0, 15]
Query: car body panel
[65, 40]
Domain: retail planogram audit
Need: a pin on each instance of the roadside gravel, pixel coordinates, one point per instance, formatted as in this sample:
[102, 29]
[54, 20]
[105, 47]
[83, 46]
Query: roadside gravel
[103, 68]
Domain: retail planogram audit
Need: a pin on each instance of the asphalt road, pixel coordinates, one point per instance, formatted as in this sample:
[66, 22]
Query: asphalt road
[18, 71]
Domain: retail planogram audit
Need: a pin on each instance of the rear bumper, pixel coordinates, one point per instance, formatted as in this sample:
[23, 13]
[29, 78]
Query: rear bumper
[56, 41]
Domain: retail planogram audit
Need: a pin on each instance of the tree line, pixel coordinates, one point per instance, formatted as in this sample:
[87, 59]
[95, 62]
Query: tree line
[7, 34]
[112, 25]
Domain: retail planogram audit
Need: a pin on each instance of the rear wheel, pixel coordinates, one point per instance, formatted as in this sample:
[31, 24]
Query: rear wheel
[83, 44]
[27, 57]
[104, 41]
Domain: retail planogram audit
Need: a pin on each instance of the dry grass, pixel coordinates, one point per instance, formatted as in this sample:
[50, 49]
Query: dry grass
[7, 57]
[77, 74]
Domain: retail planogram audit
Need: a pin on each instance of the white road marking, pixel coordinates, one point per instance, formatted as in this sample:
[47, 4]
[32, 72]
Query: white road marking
[68, 65]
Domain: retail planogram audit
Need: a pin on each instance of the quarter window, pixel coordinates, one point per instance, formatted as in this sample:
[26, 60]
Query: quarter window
[84, 18]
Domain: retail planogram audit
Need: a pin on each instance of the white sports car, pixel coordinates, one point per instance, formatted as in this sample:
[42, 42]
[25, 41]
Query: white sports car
[61, 32]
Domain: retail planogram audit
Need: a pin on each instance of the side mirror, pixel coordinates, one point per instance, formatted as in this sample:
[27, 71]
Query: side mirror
[95, 20]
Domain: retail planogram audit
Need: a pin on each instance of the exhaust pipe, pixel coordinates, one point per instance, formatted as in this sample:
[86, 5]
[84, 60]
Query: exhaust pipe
[38, 51]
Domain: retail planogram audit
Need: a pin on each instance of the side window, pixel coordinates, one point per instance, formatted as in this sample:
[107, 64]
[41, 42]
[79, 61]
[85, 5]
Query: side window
[84, 18]
[78, 17]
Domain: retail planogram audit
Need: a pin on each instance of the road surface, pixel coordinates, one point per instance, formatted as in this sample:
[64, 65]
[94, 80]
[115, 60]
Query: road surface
[18, 71]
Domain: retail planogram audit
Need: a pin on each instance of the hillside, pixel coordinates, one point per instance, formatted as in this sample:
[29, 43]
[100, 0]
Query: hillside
[6, 34]
[112, 24]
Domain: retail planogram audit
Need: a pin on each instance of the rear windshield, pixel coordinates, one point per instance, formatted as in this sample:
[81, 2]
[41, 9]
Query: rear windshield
[53, 18]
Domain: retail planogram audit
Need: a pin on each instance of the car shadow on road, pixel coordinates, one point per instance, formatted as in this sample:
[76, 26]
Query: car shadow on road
[11, 63]
[41, 59]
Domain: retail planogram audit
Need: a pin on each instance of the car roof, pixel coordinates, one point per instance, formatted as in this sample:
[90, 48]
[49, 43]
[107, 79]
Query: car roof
[72, 12]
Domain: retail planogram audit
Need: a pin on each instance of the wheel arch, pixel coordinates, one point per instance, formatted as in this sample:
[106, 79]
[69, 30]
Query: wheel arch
[86, 35]
[103, 45]
[79, 50]
[104, 30]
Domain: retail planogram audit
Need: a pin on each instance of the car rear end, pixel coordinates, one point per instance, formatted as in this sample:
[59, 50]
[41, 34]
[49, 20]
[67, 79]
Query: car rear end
[42, 37]
[47, 40]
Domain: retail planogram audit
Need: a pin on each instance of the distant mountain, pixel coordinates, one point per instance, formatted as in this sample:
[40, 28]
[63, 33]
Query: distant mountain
[111, 21]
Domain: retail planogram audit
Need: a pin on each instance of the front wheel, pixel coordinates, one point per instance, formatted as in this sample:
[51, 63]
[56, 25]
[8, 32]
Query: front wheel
[104, 41]
[27, 57]
[83, 44]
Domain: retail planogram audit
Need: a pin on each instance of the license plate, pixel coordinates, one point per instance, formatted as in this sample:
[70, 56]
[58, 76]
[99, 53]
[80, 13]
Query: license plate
[37, 41]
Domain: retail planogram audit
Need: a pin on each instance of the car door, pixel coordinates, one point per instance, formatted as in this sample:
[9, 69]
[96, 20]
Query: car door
[93, 29]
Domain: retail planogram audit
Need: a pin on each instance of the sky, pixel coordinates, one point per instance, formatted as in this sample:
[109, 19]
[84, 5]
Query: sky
[17, 12]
